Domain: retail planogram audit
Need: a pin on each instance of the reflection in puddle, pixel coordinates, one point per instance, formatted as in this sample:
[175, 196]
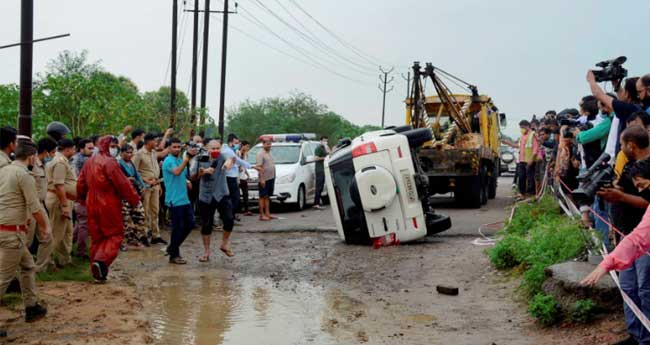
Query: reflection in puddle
[196, 306]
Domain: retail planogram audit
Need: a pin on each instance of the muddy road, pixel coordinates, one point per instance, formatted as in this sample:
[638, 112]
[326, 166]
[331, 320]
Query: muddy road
[287, 287]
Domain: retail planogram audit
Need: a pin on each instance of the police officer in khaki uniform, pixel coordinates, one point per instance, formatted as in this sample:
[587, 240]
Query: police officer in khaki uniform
[146, 163]
[46, 150]
[19, 200]
[61, 192]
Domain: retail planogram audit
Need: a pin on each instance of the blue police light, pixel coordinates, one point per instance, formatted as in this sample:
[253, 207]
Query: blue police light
[294, 138]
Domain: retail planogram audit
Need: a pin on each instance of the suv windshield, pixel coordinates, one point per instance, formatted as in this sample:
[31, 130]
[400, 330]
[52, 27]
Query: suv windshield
[282, 154]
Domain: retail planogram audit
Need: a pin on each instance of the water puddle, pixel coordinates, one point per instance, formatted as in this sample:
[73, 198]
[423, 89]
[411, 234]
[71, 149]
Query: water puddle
[197, 306]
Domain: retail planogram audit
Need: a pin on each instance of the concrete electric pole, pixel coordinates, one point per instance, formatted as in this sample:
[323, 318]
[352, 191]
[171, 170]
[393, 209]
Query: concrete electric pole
[383, 78]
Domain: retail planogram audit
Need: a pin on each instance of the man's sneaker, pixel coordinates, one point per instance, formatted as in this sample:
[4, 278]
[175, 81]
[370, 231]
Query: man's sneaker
[35, 313]
[158, 240]
[319, 207]
[177, 261]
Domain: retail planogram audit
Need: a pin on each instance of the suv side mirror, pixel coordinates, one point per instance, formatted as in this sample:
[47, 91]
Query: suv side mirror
[502, 119]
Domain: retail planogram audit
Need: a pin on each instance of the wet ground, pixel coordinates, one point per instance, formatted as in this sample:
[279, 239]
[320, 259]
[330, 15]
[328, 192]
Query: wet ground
[287, 287]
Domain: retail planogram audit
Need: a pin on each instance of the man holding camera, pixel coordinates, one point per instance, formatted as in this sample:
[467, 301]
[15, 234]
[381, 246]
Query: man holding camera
[175, 174]
[627, 208]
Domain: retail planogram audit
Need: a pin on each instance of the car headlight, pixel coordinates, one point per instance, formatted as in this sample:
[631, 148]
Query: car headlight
[286, 179]
[507, 157]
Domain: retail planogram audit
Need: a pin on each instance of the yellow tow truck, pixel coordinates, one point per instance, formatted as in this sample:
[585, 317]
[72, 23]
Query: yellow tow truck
[464, 155]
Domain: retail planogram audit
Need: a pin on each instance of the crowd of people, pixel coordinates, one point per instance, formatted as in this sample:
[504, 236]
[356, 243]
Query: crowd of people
[606, 128]
[94, 197]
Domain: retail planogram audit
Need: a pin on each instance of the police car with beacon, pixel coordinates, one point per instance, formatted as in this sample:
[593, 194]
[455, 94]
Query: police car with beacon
[379, 194]
[295, 169]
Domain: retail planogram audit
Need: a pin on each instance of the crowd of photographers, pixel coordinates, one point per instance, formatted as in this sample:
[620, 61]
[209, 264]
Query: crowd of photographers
[599, 156]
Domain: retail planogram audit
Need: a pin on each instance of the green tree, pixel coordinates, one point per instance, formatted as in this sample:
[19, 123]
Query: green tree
[158, 112]
[299, 113]
[90, 100]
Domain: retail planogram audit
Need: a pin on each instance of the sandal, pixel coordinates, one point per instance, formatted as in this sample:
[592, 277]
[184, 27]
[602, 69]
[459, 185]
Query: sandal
[228, 252]
[204, 258]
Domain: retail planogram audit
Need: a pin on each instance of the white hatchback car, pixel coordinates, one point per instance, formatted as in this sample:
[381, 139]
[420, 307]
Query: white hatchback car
[295, 176]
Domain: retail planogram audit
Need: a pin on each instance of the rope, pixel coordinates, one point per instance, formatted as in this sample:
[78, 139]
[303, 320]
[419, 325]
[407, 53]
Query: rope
[603, 251]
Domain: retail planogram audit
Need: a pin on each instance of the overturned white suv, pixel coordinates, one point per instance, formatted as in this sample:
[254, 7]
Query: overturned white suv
[377, 192]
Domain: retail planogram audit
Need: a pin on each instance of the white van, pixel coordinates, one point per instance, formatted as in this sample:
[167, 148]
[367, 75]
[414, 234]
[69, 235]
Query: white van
[295, 176]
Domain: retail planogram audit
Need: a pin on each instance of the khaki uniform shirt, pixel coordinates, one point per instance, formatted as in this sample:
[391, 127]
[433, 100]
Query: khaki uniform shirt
[59, 171]
[146, 163]
[4, 159]
[38, 171]
[17, 194]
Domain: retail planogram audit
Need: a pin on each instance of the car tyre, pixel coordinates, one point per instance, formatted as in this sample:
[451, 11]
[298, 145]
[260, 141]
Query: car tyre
[301, 202]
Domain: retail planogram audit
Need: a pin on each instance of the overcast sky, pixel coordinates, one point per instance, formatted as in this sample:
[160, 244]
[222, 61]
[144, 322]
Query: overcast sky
[530, 56]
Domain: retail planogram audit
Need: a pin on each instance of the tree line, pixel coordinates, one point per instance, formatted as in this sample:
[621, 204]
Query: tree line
[91, 100]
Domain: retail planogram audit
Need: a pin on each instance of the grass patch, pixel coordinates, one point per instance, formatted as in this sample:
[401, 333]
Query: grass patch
[13, 299]
[78, 271]
[538, 236]
[583, 311]
[545, 308]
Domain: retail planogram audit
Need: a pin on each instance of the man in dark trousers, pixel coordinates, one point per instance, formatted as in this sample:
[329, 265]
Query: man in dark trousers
[321, 152]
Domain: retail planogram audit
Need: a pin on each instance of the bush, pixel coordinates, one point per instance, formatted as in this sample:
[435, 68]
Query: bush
[545, 309]
[539, 236]
[509, 252]
[583, 311]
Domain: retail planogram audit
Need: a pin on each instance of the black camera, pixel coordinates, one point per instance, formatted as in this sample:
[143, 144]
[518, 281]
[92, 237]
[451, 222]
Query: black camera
[599, 175]
[611, 70]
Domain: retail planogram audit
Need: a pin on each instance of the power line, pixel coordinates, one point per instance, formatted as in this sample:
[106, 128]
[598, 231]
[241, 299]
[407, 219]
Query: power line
[330, 52]
[251, 18]
[355, 50]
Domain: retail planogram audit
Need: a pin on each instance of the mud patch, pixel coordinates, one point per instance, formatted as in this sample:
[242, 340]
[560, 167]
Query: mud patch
[81, 313]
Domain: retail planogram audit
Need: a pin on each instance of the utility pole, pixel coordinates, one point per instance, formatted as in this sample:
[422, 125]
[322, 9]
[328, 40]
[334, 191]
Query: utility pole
[224, 47]
[408, 83]
[383, 78]
[26, 55]
[172, 119]
[195, 59]
[204, 70]
[204, 80]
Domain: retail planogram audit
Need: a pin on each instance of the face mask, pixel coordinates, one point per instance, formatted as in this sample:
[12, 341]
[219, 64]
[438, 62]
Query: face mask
[523, 131]
[324, 142]
[113, 151]
[235, 147]
[215, 154]
[47, 159]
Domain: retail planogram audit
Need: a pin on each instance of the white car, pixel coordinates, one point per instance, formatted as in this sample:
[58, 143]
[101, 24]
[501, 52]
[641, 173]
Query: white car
[295, 176]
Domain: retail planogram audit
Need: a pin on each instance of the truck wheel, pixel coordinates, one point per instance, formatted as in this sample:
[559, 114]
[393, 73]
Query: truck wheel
[484, 185]
[492, 190]
[468, 192]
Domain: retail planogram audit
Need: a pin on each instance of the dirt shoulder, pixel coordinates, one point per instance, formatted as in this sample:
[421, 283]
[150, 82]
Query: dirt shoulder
[81, 313]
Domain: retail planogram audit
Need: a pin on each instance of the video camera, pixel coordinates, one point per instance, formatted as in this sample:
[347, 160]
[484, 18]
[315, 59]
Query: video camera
[599, 175]
[611, 69]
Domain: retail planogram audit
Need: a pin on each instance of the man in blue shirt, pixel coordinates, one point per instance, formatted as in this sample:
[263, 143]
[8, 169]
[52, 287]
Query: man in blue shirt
[177, 199]
[230, 152]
